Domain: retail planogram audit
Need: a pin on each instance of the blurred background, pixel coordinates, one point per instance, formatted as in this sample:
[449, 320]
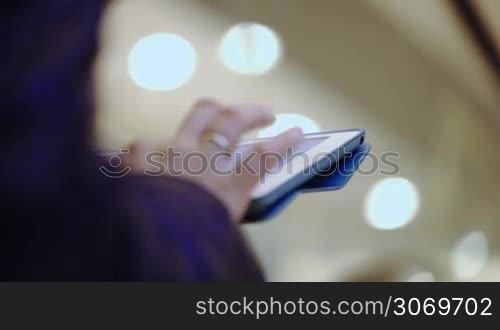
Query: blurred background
[420, 76]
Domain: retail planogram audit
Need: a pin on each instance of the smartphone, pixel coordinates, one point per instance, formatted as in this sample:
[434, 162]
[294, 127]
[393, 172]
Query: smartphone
[317, 153]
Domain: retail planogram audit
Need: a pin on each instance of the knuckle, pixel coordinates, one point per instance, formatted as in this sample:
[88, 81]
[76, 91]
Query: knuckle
[202, 105]
[241, 118]
[231, 114]
[204, 102]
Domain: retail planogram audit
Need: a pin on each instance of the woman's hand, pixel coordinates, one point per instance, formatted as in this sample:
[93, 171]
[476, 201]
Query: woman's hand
[213, 130]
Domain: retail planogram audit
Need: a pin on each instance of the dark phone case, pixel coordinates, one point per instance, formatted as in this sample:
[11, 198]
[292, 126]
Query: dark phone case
[335, 179]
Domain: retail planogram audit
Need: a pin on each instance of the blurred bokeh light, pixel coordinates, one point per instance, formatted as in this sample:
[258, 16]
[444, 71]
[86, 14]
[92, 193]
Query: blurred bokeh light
[392, 203]
[162, 62]
[250, 48]
[285, 121]
[469, 255]
[422, 276]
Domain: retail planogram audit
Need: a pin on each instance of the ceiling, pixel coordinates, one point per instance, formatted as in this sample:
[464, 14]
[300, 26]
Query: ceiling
[436, 29]
[490, 11]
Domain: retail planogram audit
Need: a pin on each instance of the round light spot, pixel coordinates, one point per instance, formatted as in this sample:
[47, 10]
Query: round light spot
[162, 62]
[250, 48]
[469, 255]
[286, 121]
[392, 203]
[422, 276]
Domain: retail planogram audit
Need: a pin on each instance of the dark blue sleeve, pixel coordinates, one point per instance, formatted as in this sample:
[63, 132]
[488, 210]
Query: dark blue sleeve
[176, 230]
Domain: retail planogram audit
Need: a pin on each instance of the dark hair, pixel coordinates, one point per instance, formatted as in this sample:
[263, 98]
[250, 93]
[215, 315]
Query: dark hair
[46, 109]
[47, 104]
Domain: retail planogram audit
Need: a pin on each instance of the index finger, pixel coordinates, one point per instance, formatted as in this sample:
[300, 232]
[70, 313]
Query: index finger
[266, 155]
[233, 121]
[198, 119]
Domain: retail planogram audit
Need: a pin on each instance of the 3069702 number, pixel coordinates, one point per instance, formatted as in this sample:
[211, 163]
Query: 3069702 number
[443, 306]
